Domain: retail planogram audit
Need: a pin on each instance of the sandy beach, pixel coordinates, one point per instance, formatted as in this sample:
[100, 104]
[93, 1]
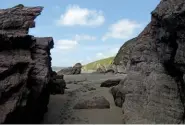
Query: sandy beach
[83, 86]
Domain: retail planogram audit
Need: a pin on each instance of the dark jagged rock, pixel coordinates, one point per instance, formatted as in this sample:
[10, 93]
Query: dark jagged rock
[154, 89]
[76, 69]
[19, 19]
[54, 74]
[57, 84]
[25, 67]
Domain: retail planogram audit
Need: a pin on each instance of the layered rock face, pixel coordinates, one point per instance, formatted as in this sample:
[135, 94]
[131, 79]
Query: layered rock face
[154, 89]
[25, 67]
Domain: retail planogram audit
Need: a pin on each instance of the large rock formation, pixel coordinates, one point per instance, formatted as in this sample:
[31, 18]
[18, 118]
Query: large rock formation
[121, 61]
[154, 90]
[25, 67]
[76, 69]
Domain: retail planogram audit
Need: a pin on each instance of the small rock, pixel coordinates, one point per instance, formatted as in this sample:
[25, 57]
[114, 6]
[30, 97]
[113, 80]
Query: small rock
[76, 69]
[110, 83]
[93, 103]
[91, 89]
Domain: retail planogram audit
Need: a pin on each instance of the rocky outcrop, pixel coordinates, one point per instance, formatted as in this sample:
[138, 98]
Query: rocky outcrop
[76, 69]
[118, 96]
[57, 84]
[154, 89]
[25, 67]
[121, 61]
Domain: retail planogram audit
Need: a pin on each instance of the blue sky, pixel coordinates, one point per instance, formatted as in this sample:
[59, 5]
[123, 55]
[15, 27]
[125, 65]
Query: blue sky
[87, 30]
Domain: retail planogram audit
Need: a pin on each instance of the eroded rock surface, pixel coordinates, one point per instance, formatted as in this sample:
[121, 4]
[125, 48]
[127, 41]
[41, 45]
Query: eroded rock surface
[57, 84]
[117, 95]
[25, 67]
[154, 89]
[121, 61]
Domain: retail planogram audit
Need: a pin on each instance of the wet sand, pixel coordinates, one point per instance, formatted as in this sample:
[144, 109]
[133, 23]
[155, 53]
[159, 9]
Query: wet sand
[60, 108]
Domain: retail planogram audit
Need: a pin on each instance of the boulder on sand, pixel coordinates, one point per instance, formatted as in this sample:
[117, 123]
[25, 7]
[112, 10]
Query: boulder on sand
[76, 69]
[110, 82]
[93, 103]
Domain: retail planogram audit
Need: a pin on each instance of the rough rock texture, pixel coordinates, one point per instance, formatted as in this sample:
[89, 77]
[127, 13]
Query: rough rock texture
[110, 83]
[154, 88]
[76, 69]
[121, 60]
[117, 95]
[94, 103]
[25, 67]
[57, 84]
[18, 19]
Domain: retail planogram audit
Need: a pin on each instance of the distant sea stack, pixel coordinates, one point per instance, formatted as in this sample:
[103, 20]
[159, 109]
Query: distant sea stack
[25, 67]
[76, 69]
[153, 91]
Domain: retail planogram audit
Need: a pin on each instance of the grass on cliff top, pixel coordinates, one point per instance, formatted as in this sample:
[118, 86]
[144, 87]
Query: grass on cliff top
[94, 65]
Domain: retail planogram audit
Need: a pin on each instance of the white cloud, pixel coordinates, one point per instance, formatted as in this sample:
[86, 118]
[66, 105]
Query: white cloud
[75, 15]
[66, 44]
[84, 37]
[123, 29]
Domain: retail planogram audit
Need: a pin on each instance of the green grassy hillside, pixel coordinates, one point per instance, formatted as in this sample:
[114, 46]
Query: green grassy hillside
[94, 65]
